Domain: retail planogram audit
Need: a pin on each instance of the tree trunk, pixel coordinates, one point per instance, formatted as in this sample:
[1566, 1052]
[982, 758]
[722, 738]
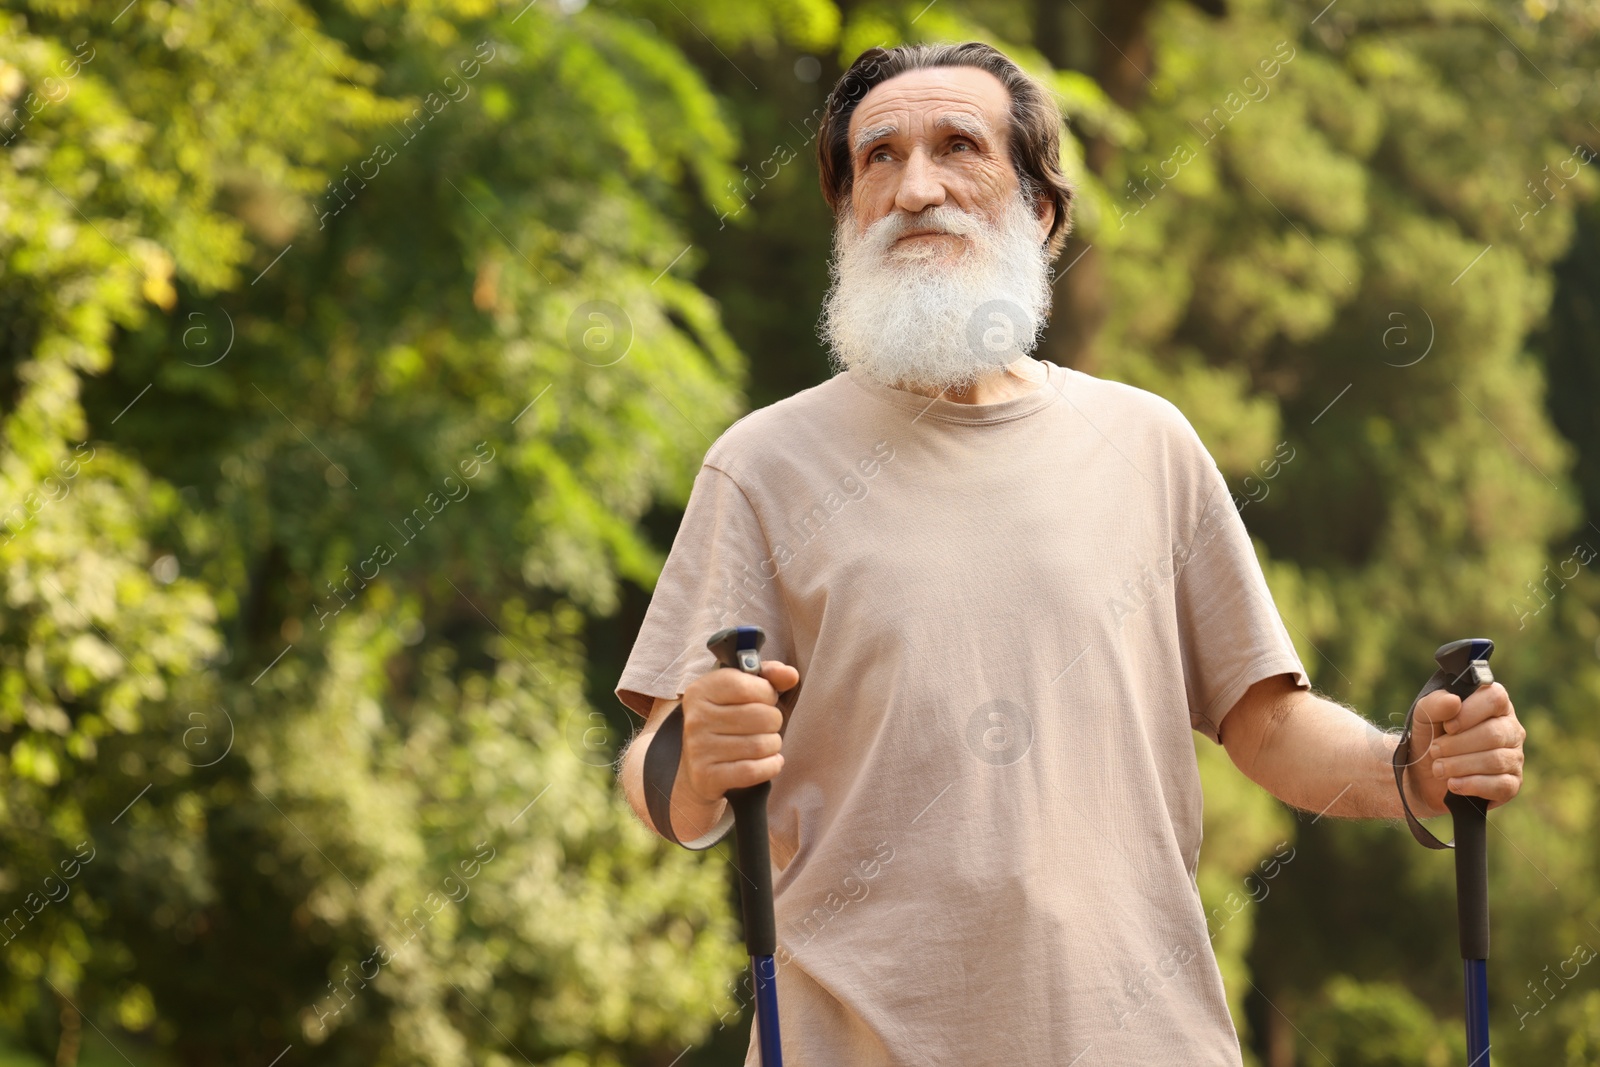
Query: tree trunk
[1110, 42]
[71, 1038]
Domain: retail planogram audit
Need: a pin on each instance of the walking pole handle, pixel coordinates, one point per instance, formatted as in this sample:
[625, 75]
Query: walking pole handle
[739, 647]
[1467, 665]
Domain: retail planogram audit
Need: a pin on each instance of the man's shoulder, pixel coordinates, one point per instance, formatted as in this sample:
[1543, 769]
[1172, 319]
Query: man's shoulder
[783, 425]
[1136, 413]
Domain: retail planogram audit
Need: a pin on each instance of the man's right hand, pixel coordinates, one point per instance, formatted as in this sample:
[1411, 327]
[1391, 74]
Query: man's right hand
[730, 733]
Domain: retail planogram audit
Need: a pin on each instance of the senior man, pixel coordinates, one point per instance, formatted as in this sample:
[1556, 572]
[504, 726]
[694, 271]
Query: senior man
[999, 594]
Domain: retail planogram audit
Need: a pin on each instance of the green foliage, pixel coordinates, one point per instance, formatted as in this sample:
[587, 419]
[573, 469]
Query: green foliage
[318, 453]
[1379, 1025]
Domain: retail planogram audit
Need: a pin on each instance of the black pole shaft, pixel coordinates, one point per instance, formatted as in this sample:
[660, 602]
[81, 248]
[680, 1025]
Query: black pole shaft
[1472, 873]
[755, 867]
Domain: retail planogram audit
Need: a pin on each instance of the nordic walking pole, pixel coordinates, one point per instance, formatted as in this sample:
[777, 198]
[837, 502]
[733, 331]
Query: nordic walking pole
[1463, 669]
[739, 647]
[1468, 662]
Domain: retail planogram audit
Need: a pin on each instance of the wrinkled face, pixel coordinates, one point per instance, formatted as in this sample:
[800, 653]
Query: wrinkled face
[940, 270]
[934, 137]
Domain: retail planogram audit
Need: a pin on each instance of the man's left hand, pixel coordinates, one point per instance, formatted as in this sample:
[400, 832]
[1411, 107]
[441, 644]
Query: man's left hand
[1471, 747]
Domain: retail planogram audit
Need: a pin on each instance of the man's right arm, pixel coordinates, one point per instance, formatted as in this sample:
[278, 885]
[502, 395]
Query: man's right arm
[731, 738]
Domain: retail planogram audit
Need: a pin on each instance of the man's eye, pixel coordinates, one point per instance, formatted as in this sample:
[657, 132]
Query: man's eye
[965, 145]
[878, 155]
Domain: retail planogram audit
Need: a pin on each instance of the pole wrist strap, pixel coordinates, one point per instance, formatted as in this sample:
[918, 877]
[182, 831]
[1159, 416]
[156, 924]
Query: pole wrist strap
[1480, 675]
[661, 759]
[661, 771]
[1440, 680]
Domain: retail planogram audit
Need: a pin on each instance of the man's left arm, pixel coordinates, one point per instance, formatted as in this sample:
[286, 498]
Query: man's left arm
[1320, 756]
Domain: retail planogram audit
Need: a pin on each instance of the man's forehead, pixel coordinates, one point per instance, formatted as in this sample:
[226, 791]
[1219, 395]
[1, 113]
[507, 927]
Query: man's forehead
[932, 96]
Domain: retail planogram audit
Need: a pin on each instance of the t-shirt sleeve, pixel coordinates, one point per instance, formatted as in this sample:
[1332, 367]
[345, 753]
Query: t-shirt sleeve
[720, 572]
[1229, 629]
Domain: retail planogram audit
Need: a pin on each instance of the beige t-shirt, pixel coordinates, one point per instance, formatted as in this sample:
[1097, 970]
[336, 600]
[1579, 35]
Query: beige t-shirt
[1007, 618]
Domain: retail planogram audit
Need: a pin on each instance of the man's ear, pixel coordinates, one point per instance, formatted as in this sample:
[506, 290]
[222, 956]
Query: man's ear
[1046, 213]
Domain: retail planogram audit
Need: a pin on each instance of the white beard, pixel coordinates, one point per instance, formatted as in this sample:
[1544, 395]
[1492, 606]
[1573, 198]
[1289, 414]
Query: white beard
[910, 317]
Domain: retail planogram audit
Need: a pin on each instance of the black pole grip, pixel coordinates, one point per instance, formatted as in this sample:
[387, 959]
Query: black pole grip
[1467, 664]
[739, 647]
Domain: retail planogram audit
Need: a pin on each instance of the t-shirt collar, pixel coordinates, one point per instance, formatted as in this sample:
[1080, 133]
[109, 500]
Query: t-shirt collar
[939, 408]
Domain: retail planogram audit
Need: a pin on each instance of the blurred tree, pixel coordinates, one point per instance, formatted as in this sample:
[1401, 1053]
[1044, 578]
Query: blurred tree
[344, 347]
[1380, 1025]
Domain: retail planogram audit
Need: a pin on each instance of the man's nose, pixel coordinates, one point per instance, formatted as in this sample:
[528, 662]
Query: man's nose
[920, 185]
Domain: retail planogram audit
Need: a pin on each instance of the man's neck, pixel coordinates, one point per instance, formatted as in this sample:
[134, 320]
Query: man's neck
[1015, 379]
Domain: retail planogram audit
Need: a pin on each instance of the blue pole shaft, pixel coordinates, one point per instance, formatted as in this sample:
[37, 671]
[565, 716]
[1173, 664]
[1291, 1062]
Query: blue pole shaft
[1476, 973]
[766, 977]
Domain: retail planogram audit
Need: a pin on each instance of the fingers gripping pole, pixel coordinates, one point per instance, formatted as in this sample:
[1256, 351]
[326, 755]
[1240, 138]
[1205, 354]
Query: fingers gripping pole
[739, 647]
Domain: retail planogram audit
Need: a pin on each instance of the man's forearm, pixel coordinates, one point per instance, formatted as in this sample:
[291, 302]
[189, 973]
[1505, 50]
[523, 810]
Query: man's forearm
[690, 818]
[630, 776]
[1322, 757]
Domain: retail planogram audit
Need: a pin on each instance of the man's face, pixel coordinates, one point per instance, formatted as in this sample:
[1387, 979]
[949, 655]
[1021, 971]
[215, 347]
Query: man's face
[940, 269]
[933, 137]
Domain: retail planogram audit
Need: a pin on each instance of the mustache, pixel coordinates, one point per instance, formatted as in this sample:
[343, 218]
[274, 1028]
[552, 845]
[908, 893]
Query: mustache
[941, 218]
